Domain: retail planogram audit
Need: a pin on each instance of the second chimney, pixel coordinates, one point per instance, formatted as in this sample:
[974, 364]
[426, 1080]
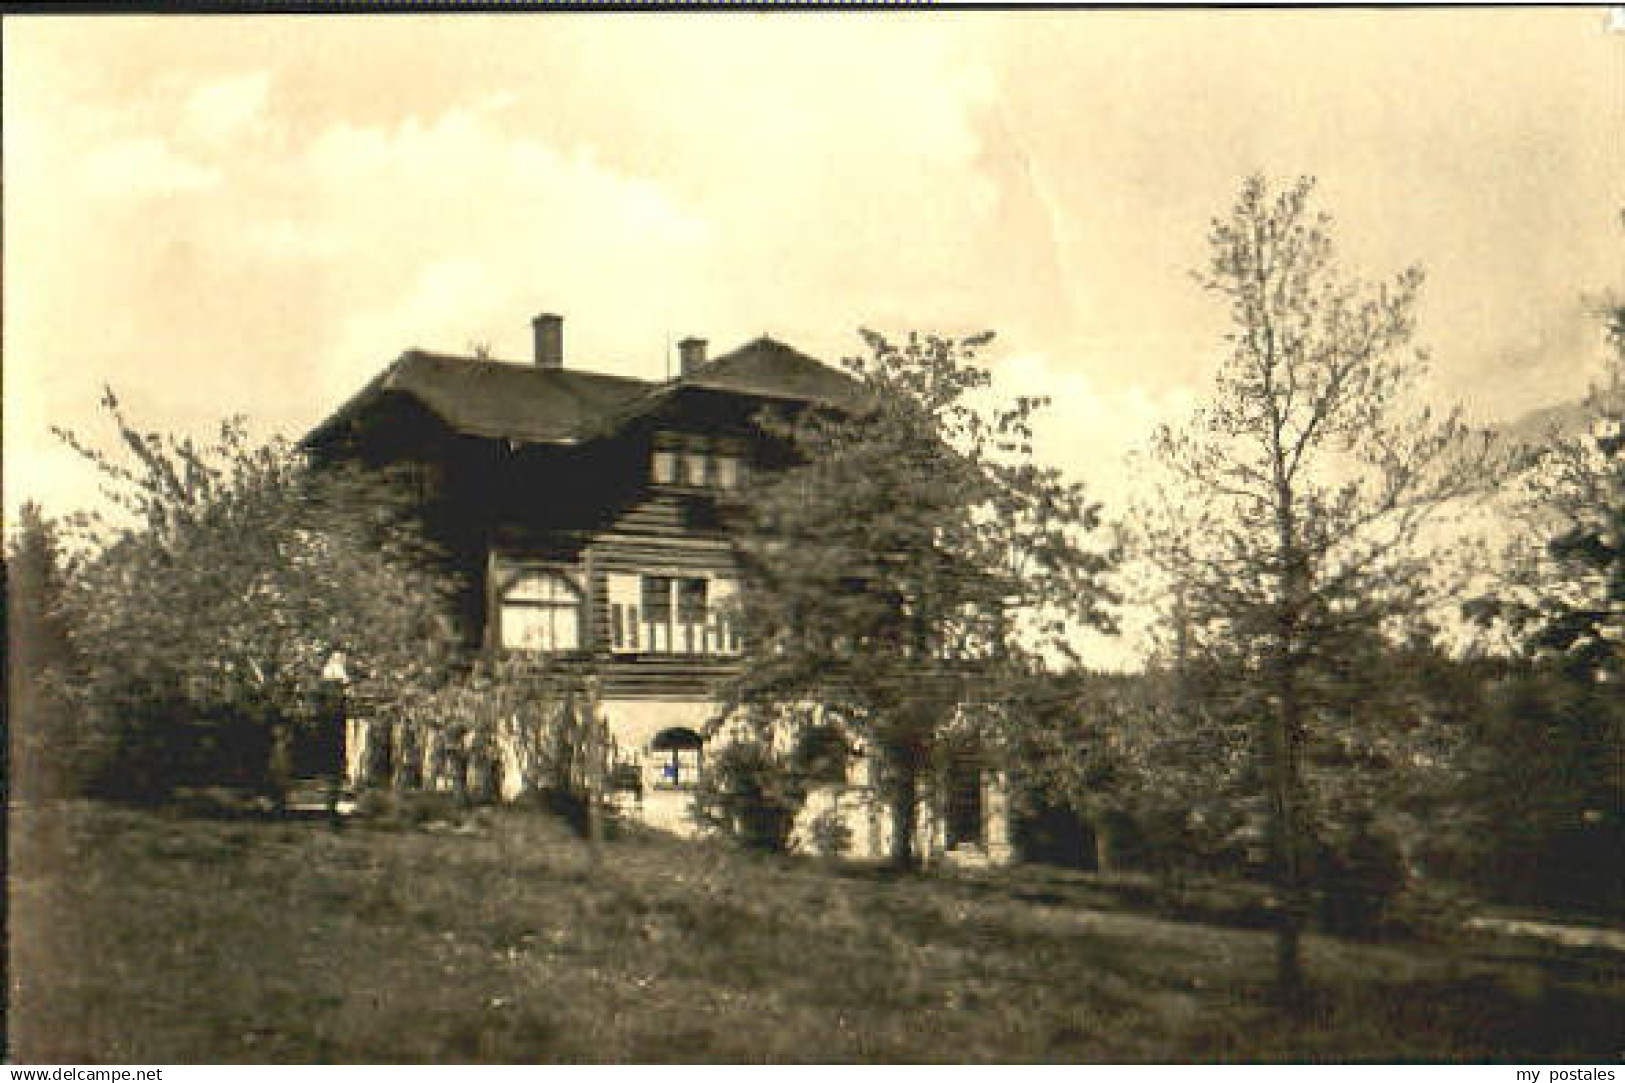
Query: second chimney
[549, 340]
[692, 352]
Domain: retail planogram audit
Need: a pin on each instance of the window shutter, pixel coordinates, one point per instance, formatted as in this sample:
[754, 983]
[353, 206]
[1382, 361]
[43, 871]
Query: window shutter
[623, 612]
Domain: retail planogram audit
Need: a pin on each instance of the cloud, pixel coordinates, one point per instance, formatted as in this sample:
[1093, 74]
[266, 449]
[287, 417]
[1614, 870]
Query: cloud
[221, 109]
[143, 166]
[459, 231]
[656, 177]
[1090, 428]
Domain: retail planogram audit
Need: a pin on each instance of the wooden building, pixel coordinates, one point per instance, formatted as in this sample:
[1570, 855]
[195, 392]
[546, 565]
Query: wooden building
[586, 515]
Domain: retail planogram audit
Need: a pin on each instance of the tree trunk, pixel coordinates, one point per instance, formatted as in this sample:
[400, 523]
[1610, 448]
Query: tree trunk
[1285, 725]
[594, 778]
[1286, 836]
[279, 770]
[1105, 844]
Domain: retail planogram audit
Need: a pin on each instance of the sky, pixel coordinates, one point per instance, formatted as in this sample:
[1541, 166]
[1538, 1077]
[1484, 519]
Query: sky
[254, 215]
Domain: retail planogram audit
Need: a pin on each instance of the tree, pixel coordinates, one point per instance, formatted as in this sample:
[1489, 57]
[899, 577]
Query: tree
[911, 561]
[1555, 786]
[1298, 493]
[39, 658]
[206, 611]
[1562, 589]
[1127, 756]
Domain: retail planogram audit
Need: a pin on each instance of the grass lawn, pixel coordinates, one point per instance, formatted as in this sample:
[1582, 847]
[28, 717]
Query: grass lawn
[143, 937]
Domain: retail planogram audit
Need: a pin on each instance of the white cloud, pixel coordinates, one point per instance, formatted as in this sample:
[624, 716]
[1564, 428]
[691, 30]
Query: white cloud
[1089, 429]
[144, 166]
[218, 110]
[287, 238]
[454, 231]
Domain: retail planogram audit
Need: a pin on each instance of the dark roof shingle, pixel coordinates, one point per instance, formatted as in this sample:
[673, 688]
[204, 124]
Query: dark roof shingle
[528, 403]
[770, 368]
[497, 399]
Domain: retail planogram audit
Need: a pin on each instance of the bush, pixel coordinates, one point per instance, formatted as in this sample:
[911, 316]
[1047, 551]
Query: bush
[1428, 911]
[750, 794]
[830, 834]
[1360, 874]
[412, 808]
[140, 748]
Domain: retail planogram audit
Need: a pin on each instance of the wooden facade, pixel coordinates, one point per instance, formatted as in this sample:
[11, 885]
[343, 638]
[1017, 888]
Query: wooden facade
[641, 492]
[592, 518]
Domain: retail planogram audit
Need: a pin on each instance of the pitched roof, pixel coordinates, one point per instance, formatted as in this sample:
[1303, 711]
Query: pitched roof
[772, 369]
[496, 399]
[514, 401]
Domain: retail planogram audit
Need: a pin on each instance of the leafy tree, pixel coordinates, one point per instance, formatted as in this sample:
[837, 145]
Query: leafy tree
[1548, 793]
[1555, 734]
[1290, 526]
[205, 611]
[911, 562]
[46, 740]
[1562, 590]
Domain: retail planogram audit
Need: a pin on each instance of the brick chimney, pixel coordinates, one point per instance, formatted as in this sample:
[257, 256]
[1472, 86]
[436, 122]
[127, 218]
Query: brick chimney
[549, 331]
[692, 352]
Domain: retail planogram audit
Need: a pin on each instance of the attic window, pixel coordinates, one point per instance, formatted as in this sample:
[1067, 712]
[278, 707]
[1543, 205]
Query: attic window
[665, 467]
[697, 465]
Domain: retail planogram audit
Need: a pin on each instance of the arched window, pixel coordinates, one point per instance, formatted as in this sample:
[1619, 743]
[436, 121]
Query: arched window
[677, 758]
[540, 611]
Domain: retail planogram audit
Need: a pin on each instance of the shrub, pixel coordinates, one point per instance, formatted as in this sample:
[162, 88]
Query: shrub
[1360, 875]
[751, 794]
[409, 809]
[1428, 911]
[830, 834]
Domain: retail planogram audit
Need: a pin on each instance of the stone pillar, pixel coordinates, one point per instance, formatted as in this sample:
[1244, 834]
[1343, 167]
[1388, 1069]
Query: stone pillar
[996, 818]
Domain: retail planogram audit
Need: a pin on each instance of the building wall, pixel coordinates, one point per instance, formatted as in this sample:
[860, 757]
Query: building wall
[633, 726]
[858, 805]
[592, 512]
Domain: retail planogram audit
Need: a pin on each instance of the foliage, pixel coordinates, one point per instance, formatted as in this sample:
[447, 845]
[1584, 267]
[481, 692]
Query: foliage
[1547, 793]
[751, 793]
[1553, 785]
[48, 745]
[1288, 533]
[1163, 767]
[215, 607]
[538, 713]
[520, 707]
[1561, 591]
[822, 755]
[912, 559]
[1151, 773]
[829, 834]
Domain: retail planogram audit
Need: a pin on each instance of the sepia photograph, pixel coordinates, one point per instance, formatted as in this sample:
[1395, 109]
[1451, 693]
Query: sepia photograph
[1005, 535]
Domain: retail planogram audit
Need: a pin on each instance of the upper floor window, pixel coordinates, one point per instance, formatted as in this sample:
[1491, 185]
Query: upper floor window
[540, 611]
[673, 614]
[697, 464]
[665, 466]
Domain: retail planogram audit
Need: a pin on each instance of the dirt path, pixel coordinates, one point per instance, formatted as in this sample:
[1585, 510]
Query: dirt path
[1573, 936]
